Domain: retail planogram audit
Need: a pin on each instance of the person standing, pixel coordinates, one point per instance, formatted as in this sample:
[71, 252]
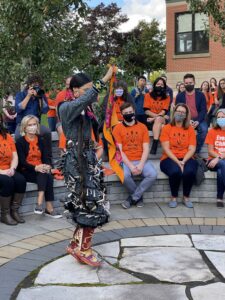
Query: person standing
[196, 102]
[80, 167]
[138, 95]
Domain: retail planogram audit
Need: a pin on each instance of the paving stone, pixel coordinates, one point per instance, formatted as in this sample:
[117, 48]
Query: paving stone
[209, 242]
[138, 222]
[220, 221]
[185, 221]
[119, 292]
[20, 263]
[24, 245]
[67, 232]
[169, 229]
[158, 230]
[108, 249]
[207, 210]
[56, 235]
[218, 230]
[170, 264]
[197, 221]
[161, 221]
[112, 225]
[127, 223]
[206, 229]
[180, 210]
[3, 260]
[181, 229]
[158, 241]
[110, 275]
[67, 270]
[218, 260]
[34, 241]
[110, 260]
[172, 221]
[46, 238]
[210, 221]
[193, 229]
[208, 292]
[11, 252]
[150, 222]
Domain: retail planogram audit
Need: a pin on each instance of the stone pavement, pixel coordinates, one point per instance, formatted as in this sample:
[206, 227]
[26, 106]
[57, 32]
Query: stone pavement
[181, 257]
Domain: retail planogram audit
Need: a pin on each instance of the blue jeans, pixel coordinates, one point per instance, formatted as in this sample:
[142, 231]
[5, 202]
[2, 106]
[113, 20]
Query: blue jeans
[202, 130]
[52, 123]
[220, 169]
[149, 175]
[173, 171]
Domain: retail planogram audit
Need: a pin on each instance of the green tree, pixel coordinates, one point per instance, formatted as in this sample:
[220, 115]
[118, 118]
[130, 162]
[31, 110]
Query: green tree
[144, 50]
[41, 37]
[214, 9]
[100, 27]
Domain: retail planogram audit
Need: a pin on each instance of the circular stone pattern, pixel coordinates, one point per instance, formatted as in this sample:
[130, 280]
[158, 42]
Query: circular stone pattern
[175, 267]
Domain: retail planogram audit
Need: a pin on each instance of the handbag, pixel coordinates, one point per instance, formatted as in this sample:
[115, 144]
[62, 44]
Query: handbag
[201, 169]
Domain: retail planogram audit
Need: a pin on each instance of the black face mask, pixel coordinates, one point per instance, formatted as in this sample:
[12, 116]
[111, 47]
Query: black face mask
[129, 117]
[158, 90]
[189, 87]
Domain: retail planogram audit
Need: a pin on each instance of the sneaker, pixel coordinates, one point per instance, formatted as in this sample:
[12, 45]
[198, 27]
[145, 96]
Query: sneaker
[53, 214]
[140, 202]
[172, 204]
[127, 203]
[38, 210]
[188, 203]
[220, 204]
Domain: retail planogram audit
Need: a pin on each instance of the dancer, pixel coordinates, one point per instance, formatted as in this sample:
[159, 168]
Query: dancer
[80, 167]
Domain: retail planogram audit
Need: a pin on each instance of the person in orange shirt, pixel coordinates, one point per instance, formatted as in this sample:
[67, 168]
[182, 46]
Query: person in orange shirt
[156, 105]
[51, 114]
[216, 149]
[64, 95]
[35, 165]
[12, 184]
[132, 139]
[178, 141]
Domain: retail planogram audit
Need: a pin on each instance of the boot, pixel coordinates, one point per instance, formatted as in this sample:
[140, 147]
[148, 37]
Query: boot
[5, 211]
[17, 199]
[154, 147]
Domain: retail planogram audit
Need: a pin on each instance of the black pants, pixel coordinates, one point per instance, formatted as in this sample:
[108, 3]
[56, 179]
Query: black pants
[173, 171]
[44, 182]
[11, 185]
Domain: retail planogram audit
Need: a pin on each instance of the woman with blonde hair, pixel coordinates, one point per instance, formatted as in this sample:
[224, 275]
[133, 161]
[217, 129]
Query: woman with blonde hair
[34, 164]
[178, 141]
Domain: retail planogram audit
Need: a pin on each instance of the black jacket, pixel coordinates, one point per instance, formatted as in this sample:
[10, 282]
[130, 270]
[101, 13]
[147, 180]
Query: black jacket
[22, 147]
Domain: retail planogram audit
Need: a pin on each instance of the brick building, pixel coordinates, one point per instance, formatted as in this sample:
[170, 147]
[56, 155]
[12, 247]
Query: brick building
[188, 46]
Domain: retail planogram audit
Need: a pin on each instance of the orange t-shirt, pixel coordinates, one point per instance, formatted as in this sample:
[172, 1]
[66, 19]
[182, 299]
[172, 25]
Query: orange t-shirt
[119, 101]
[132, 139]
[7, 147]
[51, 102]
[156, 106]
[62, 140]
[60, 97]
[34, 154]
[216, 138]
[179, 139]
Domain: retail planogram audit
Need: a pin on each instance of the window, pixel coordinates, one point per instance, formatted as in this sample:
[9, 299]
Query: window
[191, 33]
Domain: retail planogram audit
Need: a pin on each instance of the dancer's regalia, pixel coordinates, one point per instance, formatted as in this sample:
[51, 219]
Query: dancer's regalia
[82, 172]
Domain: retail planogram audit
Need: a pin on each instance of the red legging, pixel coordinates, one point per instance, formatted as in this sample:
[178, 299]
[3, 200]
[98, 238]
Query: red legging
[83, 237]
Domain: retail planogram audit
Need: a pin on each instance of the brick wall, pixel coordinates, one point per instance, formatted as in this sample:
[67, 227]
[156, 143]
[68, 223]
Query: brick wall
[213, 62]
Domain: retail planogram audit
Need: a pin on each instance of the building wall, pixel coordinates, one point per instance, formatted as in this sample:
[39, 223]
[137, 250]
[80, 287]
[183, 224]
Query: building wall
[204, 65]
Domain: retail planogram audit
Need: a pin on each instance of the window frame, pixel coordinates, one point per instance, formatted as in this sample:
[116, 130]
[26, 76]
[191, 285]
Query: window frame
[193, 35]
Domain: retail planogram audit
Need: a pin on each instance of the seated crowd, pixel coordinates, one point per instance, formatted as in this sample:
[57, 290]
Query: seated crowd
[181, 124]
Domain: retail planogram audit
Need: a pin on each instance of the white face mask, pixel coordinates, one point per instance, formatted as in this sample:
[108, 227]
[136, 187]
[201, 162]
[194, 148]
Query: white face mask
[31, 129]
